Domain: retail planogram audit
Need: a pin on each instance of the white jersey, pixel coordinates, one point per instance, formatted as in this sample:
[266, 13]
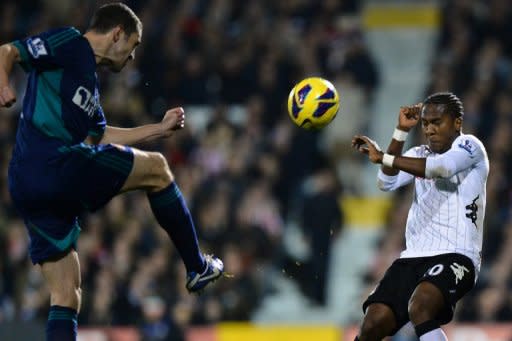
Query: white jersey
[448, 208]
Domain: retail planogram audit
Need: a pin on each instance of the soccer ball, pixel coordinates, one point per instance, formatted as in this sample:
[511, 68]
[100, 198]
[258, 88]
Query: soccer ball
[313, 103]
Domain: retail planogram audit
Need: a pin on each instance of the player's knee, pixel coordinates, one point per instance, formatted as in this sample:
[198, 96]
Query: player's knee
[163, 174]
[370, 329]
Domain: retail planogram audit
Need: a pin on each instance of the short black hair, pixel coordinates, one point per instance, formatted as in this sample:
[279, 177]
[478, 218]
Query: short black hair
[452, 103]
[115, 14]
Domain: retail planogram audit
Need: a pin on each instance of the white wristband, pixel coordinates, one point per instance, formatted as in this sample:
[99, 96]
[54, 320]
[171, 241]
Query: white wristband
[387, 160]
[400, 135]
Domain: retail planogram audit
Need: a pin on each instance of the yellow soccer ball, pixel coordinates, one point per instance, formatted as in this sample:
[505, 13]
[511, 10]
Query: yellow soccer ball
[313, 103]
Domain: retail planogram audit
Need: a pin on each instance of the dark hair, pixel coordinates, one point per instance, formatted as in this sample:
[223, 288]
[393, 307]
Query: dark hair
[452, 104]
[115, 14]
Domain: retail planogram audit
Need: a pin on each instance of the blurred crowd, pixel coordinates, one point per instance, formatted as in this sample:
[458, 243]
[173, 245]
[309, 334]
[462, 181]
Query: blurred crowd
[244, 169]
[473, 58]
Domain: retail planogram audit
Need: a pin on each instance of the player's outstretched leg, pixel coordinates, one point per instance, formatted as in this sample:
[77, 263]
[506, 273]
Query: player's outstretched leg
[63, 279]
[172, 213]
[151, 172]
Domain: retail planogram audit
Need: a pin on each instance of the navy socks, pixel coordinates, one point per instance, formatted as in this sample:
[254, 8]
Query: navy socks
[172, 214]
[61, 324]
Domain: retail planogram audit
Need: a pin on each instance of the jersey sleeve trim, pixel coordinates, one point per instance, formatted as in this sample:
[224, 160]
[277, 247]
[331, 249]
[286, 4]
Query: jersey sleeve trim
[61, 38]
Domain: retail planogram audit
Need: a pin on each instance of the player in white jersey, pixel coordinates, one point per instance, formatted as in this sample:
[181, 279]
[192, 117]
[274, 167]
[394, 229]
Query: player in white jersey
[445, 223]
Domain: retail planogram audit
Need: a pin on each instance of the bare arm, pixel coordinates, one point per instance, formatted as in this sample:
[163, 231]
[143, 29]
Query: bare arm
[408, 117]
[130, 136]
[174, 119]
[411, 165]
[9, 55]
[395, 148]
[464, 153]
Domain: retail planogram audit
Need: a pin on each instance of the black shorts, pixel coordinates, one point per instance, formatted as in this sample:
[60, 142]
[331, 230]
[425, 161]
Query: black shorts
[452, 273]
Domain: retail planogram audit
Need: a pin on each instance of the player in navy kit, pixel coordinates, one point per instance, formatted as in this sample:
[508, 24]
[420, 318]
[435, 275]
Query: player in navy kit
[67, 160]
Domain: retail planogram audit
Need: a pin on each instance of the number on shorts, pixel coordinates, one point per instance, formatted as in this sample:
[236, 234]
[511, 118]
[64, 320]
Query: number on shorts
[436, 270]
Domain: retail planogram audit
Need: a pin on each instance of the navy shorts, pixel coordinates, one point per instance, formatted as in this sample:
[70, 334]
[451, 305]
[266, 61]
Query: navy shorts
[50, 192]
[452, 273]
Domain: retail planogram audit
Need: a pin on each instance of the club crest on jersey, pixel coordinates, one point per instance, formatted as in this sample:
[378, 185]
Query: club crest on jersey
[85, 100]
[468, 146]
[36, 47]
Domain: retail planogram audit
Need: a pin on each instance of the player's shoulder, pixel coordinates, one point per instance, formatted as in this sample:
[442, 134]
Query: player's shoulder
[470, 144]
[63, 29]
[64, 42]
[60, 35]
[73, 48]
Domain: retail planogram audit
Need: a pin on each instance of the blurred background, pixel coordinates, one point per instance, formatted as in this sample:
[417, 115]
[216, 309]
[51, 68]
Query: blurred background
[295, 215]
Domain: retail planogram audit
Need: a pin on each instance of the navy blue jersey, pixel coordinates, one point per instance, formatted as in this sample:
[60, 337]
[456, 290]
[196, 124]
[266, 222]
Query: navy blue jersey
[61, 102]
[53, 176]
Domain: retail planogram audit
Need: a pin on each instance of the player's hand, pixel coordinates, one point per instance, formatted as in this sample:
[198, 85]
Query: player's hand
[7, 96]
[366, 145]
[174, 119]
[409, 116]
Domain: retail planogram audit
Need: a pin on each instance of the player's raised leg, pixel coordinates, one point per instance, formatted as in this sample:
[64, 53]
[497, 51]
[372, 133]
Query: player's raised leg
[62, 276]
[379, 322]
[151, 173]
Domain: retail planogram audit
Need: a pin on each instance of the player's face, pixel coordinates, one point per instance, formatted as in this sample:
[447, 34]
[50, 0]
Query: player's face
[439, 127]
[124, 51]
